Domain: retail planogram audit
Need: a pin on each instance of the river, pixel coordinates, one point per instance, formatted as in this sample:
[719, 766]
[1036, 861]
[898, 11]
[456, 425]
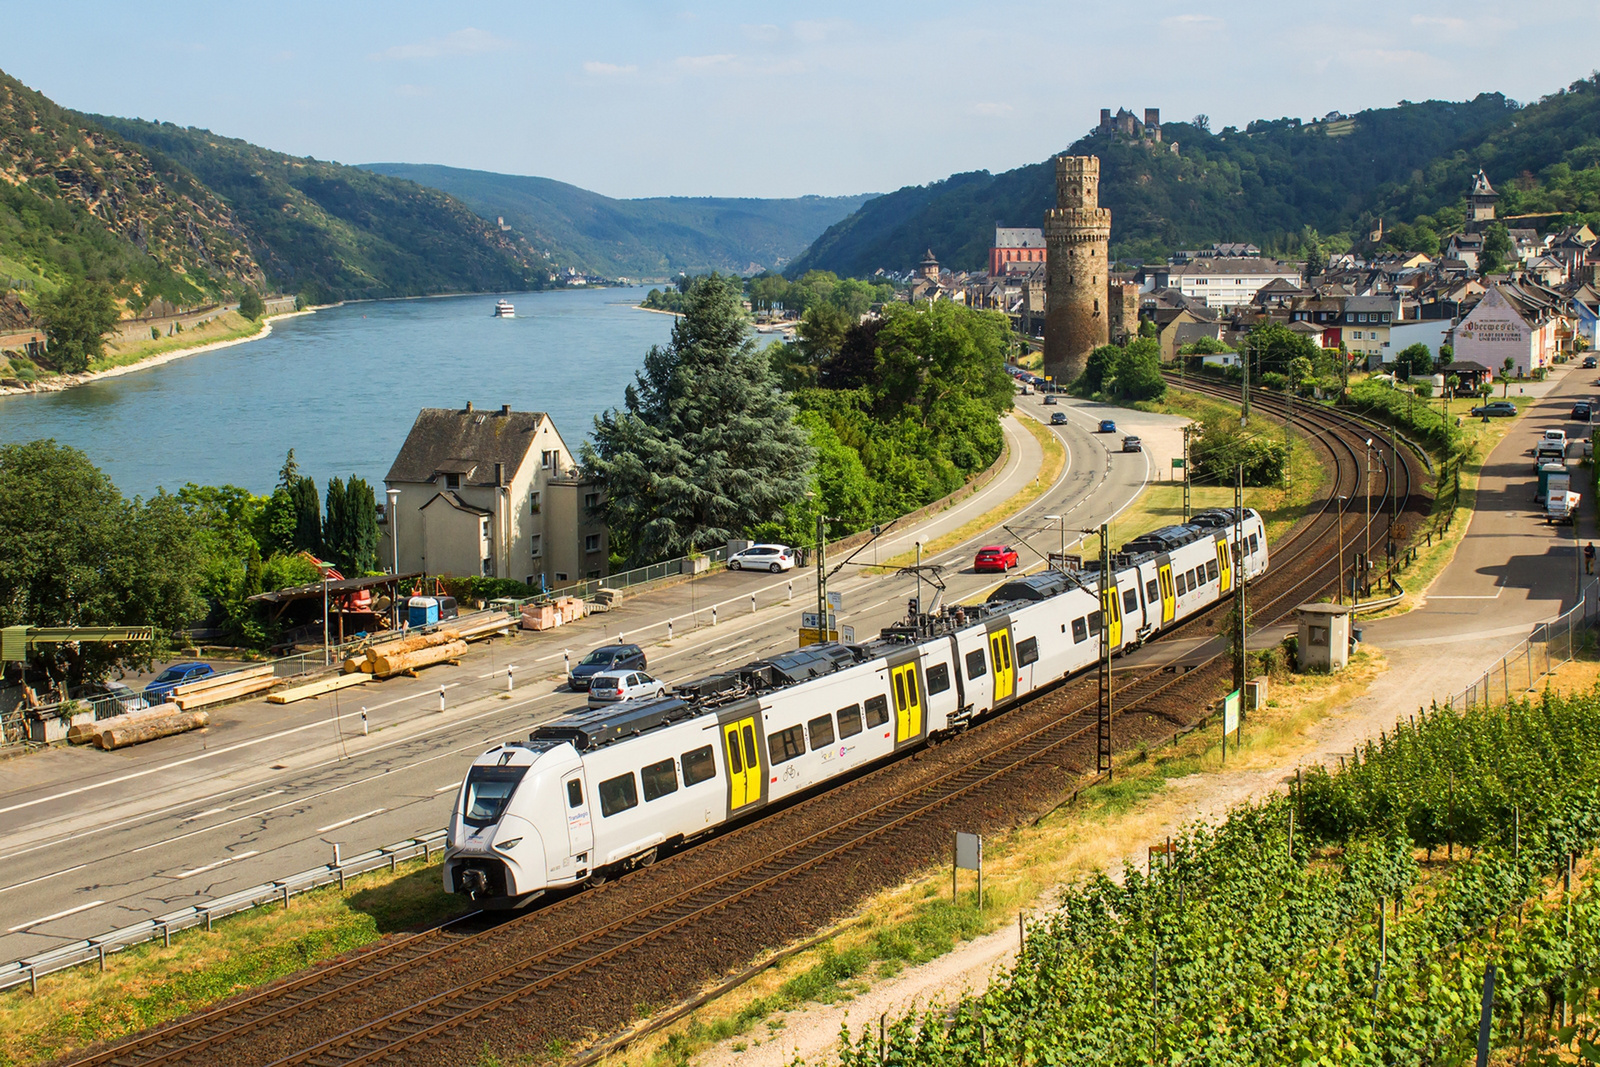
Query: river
[342, 387]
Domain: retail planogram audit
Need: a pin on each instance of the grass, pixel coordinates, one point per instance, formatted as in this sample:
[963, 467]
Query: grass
[225, 326]
[1055, 458]
[151, 984]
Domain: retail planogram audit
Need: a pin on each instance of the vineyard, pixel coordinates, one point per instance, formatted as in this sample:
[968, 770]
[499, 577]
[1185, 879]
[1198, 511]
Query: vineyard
[1349, 921]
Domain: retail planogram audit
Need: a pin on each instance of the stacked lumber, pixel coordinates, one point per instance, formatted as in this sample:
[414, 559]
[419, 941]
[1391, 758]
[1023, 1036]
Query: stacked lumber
[540, 617]
[390, 664]
[124, 730]
[484, 624]
[317, 688]
[228, 690]
[213, 681]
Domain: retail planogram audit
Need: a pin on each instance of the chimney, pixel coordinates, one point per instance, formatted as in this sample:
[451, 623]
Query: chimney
[500, 474]
[469, 407]
[505, 409]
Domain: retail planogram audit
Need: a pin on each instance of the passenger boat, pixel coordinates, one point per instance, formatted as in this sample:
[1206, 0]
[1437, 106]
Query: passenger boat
[504, 309]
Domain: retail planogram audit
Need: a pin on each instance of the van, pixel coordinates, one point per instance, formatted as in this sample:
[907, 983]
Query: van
[1556, 435]
[1549, 450]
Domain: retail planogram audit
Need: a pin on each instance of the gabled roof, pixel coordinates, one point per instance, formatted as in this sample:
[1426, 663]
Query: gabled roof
[1481, 186]
[1018, 237]
[467, 442]
[456, 502]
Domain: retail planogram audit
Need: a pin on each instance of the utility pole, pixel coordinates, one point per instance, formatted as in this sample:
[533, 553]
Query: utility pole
[822, 578]
[1339, 524]
[916, 616]
[1188, 428]
[1244, 363]
[1103, 723]
[1239, 655]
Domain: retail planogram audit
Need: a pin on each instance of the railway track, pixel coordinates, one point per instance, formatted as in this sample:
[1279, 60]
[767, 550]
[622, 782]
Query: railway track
[403, 994]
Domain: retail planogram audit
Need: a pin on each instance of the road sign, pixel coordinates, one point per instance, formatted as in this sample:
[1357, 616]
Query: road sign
[847, 634]
[1177, 464]
[813, 636]
[836, 601]
[810, 620]
[1230, 712]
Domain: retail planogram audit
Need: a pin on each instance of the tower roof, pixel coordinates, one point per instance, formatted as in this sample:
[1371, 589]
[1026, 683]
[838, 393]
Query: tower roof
[929, 259]
[1481, 186]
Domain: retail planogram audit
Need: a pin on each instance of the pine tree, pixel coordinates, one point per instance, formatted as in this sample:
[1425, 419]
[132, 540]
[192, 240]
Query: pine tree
[307, 516]
[362, 510]
[336, 528]
[706, 446]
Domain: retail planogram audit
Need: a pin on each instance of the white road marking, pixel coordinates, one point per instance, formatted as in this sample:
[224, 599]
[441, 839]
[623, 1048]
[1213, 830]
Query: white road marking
[57, 915]
[219, 863]
[353, 818]
[452, 785]
[42, 878]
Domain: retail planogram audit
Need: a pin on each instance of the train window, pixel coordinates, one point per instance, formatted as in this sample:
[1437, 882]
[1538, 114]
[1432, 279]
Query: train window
[1130, 600]
[1027, 651]
[938, 678]
[698, 766]
[821, 731]
[1094, 622]
[976, 668]
[785, 745]
[489, 790]
[1152, 591]
[618, 794]
[850, 720]
[1211, 570]
[1253, 544]
[574, 794]
[1080, 631]
[659, 779]
[877, 710]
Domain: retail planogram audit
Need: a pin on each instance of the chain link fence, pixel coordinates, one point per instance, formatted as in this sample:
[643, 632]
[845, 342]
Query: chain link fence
[1549, 646]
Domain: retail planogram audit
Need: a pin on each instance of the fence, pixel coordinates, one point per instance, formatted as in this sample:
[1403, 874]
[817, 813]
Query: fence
[95, 949]
[1550, 645]
[586, 589]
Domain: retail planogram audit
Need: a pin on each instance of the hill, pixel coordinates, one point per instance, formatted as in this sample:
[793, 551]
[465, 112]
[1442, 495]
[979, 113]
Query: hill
[648, 238]
[79, 201]
[333, 231]
[1264, 183]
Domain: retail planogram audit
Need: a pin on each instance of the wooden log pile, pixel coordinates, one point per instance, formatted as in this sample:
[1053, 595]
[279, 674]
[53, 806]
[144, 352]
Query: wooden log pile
[388, 665]
[146, 724]
[317, 688]
[228, 688]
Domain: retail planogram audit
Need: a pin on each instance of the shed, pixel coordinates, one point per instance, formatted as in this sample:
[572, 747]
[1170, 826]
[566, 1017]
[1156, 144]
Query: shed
[1324, 642]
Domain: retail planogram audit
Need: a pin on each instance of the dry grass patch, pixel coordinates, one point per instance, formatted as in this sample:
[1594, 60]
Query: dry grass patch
[224, 326]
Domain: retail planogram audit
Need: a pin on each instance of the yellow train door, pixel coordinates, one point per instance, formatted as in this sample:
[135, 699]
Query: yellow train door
[907, 703]
[1224, 567]
[1111, 613]
[1169, 596]
[1005, 675]
[744, 763]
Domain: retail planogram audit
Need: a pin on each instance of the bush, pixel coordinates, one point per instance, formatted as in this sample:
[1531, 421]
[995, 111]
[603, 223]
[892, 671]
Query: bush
[1412, 415]
[250, 305]
[1223, 446]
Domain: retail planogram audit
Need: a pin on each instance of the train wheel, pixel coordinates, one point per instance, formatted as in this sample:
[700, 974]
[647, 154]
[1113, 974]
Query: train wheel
[598, 878]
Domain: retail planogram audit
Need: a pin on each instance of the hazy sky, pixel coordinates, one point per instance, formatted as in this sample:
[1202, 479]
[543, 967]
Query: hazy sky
[750, 99]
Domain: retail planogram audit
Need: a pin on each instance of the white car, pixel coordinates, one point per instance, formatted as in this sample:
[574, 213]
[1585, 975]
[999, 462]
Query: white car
[1555, 435]
[611, 687]
[774, 558]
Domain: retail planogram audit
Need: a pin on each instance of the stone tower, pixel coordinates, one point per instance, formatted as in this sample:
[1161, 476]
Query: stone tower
[1077, 234]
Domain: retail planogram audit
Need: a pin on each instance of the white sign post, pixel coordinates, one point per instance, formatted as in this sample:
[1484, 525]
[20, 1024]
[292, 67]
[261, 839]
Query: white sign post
[1230, 720]
[968, 856]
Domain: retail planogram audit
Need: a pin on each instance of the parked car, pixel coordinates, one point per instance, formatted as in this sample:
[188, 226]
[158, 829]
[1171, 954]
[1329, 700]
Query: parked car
[1050, 398]
[1580, 411]
[158, 691]
[1497, 409]
[1108, 426]
[1058, 418]
[1131, 443]
[995, 558]
[610, 687]
[605, 658]
[105, 694]
[1588, 363]
[1556, 435]
[772, 558]
[427, 610]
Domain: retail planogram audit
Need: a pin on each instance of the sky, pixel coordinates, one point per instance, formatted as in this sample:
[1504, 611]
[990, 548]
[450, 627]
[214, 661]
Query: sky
[763, 100]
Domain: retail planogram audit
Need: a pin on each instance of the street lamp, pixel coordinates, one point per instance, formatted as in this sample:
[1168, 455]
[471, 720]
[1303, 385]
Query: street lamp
[1061, 561]
[394, 543]
[1366, 554]
[916, 617]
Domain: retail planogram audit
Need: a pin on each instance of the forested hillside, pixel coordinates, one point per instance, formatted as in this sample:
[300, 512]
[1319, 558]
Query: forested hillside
[648, 238]
[1265, 183]
[78, 201]
[332, 231]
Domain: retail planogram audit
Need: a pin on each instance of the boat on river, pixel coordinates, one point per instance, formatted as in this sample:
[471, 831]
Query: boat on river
[504, 309]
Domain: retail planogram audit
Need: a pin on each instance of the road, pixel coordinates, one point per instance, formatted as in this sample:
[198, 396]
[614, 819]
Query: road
[96, 840]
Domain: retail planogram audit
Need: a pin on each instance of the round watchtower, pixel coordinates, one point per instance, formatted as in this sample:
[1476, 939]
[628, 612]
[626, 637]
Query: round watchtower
[1077, 233]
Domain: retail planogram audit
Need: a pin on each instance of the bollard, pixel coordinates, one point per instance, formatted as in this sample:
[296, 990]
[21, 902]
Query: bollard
[336, 853]
[752, 603]
[441, 700]
[566, 661]
[791, 589]
[510, 684]
[713, 615]
[363, 722]
[669, 629]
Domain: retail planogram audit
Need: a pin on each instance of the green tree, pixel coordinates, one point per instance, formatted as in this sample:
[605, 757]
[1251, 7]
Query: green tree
[705, 446]
[821, 333]
[77, 319]
[275, 532]
[336, 527]
[1416, 359]
[250, 304]
[78, 554]
[1275, 346]
[350, 528]
[1138, 373]
[1496, 247]
[307, 516]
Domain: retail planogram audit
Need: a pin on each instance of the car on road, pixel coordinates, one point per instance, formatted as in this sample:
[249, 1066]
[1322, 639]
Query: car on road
[1108, 426]
[1050, 398]
[611, 687]
[1058, 418]
[772, 558]
[159, 691]
[1556, 435]
[603, 659]
[1581, 411]
[107, 694]
[1131, 443]
[1588, 363]
[995, 558]
[1496, 409]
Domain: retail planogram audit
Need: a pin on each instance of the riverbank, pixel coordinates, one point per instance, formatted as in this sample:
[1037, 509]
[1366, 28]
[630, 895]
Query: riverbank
[58, 382]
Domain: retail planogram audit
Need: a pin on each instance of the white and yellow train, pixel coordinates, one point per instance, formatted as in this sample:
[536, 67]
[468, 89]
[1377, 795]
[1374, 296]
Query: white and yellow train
[596, 792]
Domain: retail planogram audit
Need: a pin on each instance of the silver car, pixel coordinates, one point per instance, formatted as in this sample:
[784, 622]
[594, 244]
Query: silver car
[610, 687]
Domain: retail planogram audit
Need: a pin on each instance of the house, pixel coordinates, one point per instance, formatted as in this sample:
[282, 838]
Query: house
[493, 493]
[1465, 248]
[1222, 282]
[1016, 244]
[1364, 328]
[1508, 323]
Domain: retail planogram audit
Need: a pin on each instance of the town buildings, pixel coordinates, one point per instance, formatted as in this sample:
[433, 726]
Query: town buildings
[494, 493]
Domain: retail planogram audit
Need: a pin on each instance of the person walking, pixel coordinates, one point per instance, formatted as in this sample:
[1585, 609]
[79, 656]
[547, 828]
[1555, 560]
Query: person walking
[1588, 558]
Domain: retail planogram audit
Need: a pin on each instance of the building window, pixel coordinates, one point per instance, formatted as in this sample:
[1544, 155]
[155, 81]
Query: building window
[547, 459]
[488, 566]
[561, 576]
[591, 542]
[591, 500]
[534, 546]
[452, 481]
[533, 502]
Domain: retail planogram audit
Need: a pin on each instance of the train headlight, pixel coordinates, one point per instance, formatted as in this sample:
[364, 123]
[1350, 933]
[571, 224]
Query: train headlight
[507, 846]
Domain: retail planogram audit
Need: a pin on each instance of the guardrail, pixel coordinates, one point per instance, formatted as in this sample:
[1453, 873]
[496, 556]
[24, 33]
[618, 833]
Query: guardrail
[1549, 646]
[29, 970]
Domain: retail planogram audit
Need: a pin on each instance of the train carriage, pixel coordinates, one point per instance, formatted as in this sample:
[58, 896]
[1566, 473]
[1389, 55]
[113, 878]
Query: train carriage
[600, 791]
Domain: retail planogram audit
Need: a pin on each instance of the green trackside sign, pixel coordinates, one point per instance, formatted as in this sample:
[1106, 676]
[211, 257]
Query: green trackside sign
[1230, 712]
[1177, 464]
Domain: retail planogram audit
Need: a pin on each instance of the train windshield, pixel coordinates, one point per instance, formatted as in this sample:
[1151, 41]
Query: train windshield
[489, 790]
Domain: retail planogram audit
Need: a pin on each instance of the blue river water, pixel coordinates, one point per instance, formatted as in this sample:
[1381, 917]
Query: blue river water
[342, 386]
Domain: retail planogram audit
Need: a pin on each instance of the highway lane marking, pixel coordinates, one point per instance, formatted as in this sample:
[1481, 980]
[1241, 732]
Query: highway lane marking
[219, 863]
[452, 785]
[57, 915]
[413, 696]
[42, 878]
[353, 818]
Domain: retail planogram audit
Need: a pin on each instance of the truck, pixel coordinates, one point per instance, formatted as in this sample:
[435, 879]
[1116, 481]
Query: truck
[1561, 508]
[1553, 478]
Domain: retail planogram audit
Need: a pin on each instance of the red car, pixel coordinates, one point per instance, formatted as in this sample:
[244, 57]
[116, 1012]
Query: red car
[995, 558]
